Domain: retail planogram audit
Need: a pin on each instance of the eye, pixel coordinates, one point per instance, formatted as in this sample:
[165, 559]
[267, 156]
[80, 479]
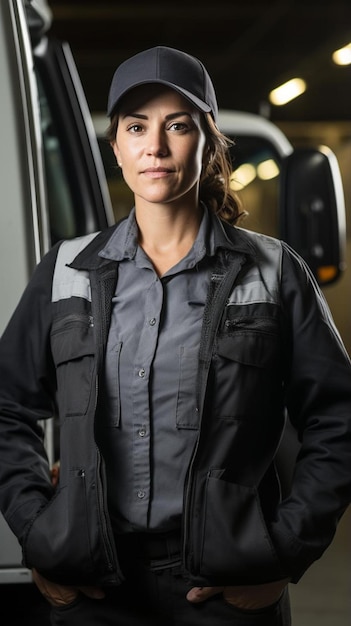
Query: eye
[135, 128]
[179, 127]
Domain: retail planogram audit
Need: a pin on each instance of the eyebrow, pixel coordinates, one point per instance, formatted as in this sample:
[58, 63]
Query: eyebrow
[168, 117]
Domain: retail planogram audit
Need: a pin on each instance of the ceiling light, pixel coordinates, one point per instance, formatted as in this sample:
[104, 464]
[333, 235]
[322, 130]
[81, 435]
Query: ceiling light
[242, 176]
[343, 55]
[287, 91]
[266, 170]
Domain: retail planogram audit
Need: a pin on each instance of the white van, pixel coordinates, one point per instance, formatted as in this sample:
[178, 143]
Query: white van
[54, 178]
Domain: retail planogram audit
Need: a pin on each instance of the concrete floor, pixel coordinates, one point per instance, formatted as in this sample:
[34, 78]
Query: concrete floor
[323, 595]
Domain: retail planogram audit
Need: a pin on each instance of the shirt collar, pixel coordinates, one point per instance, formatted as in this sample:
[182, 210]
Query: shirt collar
[213, 234]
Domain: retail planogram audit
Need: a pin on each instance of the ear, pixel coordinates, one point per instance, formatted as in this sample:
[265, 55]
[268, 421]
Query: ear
[116, 151]
[207, 156]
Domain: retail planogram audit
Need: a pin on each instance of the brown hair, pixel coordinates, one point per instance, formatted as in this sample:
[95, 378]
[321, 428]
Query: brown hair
[215, 190]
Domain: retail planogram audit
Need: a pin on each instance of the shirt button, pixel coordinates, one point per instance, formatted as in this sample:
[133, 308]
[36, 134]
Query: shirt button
[141, 373]
[141, 494]
[152, 322]
[142, 432]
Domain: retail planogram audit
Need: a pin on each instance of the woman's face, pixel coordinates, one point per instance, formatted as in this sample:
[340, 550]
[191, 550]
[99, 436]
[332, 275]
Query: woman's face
[159, 145]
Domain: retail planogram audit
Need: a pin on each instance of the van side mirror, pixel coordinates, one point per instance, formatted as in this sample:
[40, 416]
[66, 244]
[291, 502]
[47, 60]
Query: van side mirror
[312, 210]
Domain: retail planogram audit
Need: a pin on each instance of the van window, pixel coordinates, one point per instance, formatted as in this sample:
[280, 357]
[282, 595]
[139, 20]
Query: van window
[77, 193]
[255, 178]
[59, 197]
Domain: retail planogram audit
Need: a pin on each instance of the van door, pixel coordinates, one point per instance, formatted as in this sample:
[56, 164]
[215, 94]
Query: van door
[52, 180]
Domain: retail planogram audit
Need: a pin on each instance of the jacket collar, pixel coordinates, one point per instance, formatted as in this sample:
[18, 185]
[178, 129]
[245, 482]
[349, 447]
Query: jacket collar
[231, 238]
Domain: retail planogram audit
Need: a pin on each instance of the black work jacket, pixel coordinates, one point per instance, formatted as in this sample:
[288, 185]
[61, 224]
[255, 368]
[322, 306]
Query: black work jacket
[269, 349]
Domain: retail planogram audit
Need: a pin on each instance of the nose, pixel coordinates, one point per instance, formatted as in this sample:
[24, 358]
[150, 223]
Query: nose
[157, 144]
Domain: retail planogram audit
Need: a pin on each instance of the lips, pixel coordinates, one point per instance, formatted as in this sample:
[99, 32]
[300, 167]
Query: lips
[157, 172]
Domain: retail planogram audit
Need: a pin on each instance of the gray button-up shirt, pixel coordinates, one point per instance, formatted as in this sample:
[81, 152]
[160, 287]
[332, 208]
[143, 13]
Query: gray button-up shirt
[151, 369]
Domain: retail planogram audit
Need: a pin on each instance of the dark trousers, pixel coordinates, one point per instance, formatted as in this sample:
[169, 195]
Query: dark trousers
[154, 594]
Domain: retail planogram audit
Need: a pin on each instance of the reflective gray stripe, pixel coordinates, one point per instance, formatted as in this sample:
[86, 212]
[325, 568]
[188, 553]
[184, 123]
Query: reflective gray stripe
[261, 282]
[68, 282]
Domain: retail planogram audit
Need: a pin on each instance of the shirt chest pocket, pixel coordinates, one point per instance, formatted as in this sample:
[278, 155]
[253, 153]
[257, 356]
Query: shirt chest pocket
[187, 414]
[73, 350]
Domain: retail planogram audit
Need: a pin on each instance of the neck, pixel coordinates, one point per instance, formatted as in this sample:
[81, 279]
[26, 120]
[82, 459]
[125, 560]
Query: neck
[167, 235]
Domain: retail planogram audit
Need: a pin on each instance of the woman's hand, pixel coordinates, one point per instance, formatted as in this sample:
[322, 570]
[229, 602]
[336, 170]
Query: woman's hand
[61, 595]
[246, 597]
[55, 473]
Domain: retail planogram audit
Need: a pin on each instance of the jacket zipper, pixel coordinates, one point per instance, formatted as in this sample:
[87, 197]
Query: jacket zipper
[71, 319]
[106, 530]
[223, 283]
[256, 324]
[108, 542]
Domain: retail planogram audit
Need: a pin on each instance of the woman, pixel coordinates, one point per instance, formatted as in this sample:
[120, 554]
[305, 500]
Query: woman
[172, 347]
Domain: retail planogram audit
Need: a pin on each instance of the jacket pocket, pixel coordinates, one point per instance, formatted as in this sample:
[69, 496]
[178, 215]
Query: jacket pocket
[73, 350]
[236, 544]
[248, 370]
[63, 540]
[250, 341]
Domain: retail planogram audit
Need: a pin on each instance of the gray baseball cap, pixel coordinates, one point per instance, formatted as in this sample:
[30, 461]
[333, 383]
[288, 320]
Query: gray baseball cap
[167, 66]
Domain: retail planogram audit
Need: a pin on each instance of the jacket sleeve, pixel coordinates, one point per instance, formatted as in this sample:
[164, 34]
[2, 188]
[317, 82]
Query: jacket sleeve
[318, 400]
[27, 392]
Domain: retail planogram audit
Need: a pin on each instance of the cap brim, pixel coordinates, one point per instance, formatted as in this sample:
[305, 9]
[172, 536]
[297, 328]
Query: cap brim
[199, 104]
